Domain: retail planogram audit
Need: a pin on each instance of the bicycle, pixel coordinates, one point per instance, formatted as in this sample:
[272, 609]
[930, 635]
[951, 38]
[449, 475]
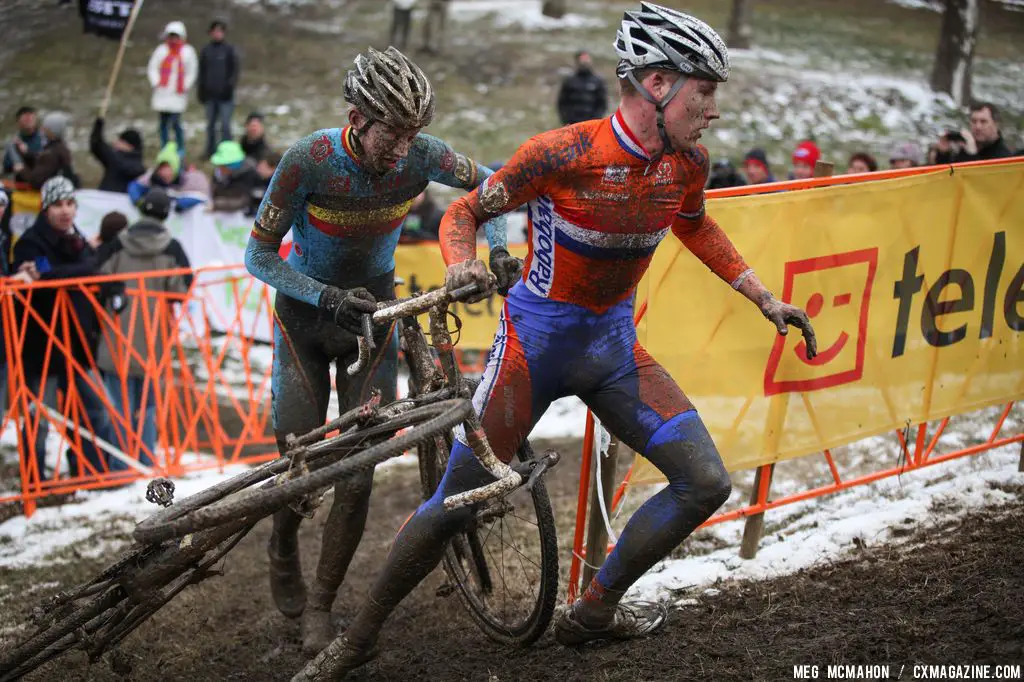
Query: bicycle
[178, 545]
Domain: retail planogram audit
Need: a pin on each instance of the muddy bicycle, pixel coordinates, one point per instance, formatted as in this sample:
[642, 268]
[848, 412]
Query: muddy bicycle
[179, 546]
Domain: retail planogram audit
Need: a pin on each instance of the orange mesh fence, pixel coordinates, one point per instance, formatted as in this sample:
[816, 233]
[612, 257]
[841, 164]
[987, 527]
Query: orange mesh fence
[187, 359]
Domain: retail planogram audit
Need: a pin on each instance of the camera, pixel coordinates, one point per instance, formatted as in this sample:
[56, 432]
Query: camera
[953, 136]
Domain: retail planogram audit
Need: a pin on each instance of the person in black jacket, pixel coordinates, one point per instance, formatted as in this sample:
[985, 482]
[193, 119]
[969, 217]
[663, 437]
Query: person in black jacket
[122, 161]
[254, 140]
[60, 251]
[583, 96]
[983, 142]
[218, 76]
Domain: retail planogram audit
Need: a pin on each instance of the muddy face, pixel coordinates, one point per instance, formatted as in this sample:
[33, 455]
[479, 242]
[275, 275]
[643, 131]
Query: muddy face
[690, 112]
[383, 146]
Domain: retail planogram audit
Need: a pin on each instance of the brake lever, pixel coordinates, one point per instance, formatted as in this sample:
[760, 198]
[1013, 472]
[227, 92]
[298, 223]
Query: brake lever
[548, 460]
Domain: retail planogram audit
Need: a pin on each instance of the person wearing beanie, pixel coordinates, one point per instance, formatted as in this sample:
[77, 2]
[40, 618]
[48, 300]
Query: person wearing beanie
[28, 140]
[121, 160]
[218, 76]
[186, 185]
[805, 156]
[756, 168]
[237, 186]
[58, 251]
[55, 158]
[145, 246]
[905, 155]
[173, 69]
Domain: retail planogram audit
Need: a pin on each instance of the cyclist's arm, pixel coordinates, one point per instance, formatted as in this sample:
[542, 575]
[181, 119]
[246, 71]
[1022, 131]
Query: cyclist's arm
[702, 235]
[522, 179]
[450, 168]
[281, 204]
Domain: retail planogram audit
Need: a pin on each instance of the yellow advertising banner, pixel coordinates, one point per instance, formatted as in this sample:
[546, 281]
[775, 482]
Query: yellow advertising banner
[914, 288]
[423, 269]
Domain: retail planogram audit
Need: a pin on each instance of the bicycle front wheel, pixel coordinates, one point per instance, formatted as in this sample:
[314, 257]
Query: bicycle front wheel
[505, 564]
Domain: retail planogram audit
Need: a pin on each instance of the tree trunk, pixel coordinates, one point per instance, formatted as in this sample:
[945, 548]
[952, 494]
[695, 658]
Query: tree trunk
[554, 8]
[955, 54]
[740, 32]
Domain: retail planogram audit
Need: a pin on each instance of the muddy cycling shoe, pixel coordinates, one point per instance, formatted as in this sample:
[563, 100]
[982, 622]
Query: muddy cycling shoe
[286, 583]
[631, 620]
[337, 660]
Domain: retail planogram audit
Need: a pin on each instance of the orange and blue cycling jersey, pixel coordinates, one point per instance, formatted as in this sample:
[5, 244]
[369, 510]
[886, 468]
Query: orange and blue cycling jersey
[598, 209]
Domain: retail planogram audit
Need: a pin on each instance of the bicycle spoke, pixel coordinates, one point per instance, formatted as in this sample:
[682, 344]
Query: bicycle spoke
[513, 513]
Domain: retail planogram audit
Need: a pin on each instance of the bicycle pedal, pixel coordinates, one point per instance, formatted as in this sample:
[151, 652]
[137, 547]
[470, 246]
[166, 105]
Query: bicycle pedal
[445, 590]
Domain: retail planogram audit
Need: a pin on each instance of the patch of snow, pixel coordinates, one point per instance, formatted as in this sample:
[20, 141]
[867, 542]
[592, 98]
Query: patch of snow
[565, 418]
[931, 5]
[523, 14]
[831, 527]
[33, 541]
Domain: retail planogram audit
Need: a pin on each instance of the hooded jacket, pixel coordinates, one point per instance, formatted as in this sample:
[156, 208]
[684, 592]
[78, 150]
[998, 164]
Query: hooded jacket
[146, 246]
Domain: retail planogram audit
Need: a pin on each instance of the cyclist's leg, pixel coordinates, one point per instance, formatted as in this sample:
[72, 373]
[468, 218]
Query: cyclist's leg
[648, 411]
[510, 401]
[300, 386]
[347, 518]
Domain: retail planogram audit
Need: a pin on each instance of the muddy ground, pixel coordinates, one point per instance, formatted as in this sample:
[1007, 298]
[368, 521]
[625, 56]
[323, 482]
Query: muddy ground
[950, 594]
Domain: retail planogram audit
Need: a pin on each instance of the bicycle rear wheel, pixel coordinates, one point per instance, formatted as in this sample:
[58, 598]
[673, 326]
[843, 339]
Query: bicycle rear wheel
[240, 499]
[505, 565]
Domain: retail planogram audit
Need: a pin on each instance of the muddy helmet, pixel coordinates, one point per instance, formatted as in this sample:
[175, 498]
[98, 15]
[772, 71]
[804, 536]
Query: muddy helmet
[388, 87]
[659, 37]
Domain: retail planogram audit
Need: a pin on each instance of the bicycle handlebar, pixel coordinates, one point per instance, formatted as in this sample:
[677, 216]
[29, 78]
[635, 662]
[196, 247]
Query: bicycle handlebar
[389, 311]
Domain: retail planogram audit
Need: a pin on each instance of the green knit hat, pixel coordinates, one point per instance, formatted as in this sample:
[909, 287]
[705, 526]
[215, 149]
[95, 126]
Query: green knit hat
[229, 153]
[169, 155]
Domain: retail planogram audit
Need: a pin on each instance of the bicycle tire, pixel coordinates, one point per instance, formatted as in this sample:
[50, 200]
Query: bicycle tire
[268, 498]
[467, 547]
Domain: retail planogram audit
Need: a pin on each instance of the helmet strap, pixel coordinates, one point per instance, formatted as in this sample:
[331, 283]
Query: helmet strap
[659, 110]
[358, 132]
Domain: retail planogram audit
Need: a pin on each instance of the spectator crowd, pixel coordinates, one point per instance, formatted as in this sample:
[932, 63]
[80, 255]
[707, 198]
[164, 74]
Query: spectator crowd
[163, 179]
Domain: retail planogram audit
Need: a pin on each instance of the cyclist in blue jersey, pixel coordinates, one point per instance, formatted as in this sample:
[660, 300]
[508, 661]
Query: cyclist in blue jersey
[343, 193]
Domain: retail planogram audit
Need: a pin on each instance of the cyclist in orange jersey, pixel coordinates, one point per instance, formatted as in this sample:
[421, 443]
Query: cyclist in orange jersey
[601, 195]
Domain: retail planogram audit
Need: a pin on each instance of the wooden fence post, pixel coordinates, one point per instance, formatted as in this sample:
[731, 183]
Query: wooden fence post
[597, 534]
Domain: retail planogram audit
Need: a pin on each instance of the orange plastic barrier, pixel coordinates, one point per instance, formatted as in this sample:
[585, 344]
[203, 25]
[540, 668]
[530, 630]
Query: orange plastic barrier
[193, 359]
[195, 367]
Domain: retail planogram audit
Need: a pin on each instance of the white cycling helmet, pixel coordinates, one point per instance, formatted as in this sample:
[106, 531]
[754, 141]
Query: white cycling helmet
[659, 37]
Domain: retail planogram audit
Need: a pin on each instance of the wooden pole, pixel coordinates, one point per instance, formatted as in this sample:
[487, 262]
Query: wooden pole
[597, 534]
[754, 526]
[120, 55]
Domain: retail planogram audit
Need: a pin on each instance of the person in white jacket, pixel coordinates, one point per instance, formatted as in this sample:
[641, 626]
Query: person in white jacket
[173, 68]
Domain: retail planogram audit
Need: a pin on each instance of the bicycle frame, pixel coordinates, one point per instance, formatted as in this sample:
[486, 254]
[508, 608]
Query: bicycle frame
[426, 377]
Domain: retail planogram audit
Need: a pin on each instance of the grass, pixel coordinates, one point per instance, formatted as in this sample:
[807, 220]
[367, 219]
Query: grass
[496, 87]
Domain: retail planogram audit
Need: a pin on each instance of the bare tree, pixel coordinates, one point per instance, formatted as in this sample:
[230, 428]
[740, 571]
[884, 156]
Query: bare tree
[554, 8]
[955, 54]
[740, 32]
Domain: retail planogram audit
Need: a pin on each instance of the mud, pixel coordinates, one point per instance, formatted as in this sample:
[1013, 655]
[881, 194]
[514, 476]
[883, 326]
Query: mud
[949, 595]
